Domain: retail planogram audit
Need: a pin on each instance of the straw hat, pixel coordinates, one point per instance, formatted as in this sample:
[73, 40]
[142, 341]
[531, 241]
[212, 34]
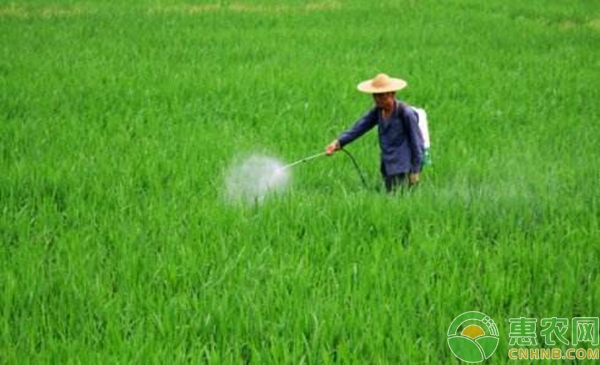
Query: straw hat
[382, 83]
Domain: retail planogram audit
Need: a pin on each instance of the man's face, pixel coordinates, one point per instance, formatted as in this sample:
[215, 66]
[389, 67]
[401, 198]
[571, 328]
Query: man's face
[384, 100]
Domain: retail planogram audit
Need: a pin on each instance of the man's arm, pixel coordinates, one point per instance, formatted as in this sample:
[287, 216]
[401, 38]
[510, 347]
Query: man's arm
[362, 126]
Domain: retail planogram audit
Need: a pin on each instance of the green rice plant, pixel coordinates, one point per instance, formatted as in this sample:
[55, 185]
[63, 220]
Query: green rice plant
[118, 122]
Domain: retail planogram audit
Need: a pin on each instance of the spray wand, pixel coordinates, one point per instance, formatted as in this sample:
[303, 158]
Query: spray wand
[306, 159]
[301, 161]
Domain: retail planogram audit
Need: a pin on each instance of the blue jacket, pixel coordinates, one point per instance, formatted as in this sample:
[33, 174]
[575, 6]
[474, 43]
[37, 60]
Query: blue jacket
[399, 138]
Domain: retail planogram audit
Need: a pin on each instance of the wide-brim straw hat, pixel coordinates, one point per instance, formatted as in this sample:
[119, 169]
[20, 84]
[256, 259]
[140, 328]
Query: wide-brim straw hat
[382, 83]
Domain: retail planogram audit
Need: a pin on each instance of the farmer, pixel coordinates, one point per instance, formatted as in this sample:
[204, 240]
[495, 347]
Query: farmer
[399, 135]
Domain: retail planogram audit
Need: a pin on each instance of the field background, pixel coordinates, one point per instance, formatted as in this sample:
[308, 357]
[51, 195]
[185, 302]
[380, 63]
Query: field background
[118, 121]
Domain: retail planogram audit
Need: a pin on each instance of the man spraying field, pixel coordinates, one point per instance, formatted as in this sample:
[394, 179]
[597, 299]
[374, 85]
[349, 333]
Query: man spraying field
[400, 139]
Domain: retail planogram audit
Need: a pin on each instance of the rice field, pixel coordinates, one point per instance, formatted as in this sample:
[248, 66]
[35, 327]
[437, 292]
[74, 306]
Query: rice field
[120, 120]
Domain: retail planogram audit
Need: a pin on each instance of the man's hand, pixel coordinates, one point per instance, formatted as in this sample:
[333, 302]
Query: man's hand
[332, 147]
[413, 178]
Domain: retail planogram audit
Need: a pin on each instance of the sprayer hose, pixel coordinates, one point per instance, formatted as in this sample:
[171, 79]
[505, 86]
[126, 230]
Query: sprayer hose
[362, 178]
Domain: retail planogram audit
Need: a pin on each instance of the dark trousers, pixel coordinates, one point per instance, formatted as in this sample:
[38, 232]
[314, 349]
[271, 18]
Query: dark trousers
[393, 182]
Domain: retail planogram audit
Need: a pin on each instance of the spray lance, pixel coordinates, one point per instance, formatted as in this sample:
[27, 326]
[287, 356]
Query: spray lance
[252, 179]
[309, 158]
[305, 159]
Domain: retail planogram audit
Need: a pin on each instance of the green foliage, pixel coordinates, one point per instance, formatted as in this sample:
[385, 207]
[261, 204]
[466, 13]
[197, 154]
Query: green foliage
[118, 119]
